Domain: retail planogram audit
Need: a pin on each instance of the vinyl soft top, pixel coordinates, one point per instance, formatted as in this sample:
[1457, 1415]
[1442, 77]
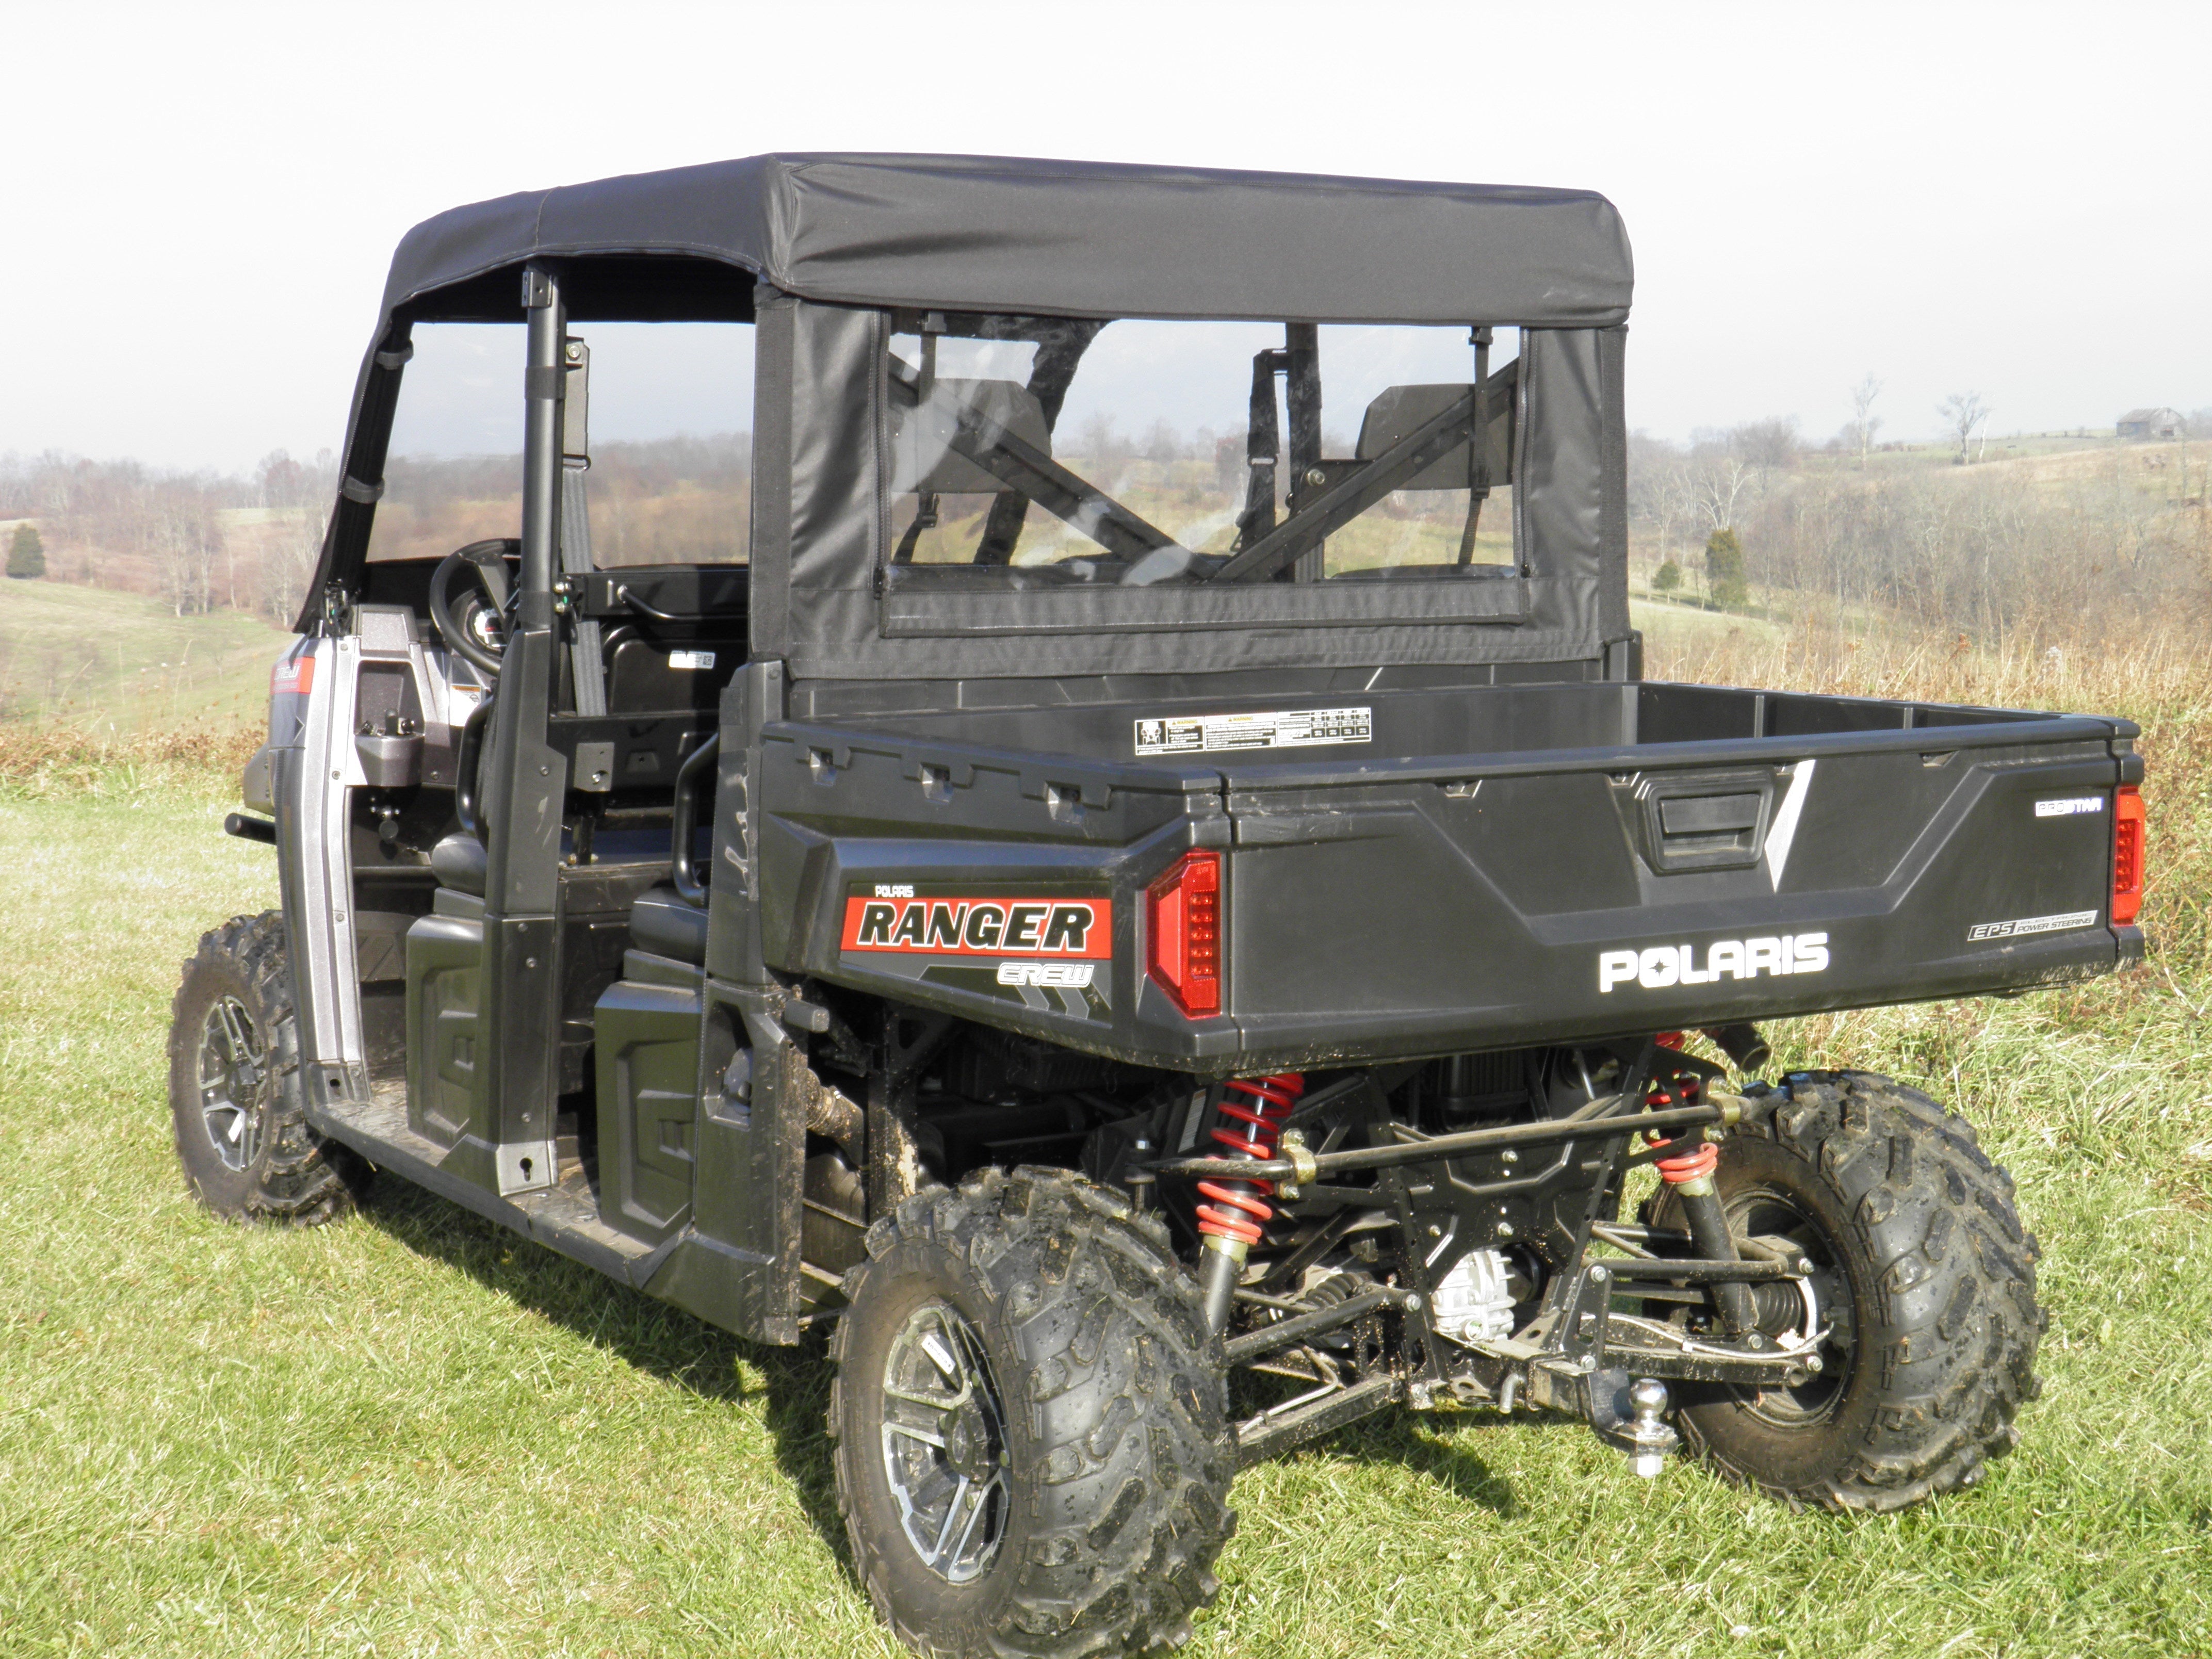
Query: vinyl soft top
[1075, 238]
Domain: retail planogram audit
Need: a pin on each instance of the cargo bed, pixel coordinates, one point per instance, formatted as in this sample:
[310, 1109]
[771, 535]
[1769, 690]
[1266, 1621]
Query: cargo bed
[1487, 866]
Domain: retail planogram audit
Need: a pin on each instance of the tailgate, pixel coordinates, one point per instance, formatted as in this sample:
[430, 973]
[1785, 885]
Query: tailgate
[1545, 897]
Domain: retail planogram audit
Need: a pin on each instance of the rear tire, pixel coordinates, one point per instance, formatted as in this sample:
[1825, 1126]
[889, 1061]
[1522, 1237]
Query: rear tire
[1931, 1284]
[1050, 1340]
[236, 1099]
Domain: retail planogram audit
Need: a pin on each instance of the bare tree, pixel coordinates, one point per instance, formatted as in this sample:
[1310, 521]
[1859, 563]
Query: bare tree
[1962, 411]
[1716, 486]
[186, 541]
[1766, 445]
[1865, 422]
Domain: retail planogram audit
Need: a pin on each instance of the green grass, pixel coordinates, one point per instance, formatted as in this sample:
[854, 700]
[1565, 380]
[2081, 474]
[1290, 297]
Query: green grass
[412, 1434]
[79, 654]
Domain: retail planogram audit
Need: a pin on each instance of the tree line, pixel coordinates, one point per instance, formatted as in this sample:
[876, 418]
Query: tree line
[181, 535]
[2114, 536]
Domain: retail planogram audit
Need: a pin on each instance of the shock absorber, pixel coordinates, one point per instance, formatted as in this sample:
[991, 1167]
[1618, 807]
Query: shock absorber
[1230, 1223]
[1687, 1167]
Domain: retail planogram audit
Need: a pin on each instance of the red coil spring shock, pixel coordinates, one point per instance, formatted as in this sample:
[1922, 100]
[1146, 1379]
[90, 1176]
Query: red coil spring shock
[1695, 1156]
[1239, 1208]
[1688, 1163]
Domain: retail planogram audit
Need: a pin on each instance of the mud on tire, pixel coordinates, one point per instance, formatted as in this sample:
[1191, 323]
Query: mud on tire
[1936, 1282]
[236, 1099]
[1115, 1456]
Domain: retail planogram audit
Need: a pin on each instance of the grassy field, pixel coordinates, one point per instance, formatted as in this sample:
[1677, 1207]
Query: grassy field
[412, 1434]
[93, 655]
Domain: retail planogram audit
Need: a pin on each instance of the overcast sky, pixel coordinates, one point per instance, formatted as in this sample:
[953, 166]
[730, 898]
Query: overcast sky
[198, 202]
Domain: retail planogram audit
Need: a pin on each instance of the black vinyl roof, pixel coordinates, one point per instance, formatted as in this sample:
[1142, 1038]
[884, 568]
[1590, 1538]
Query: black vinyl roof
[1075, 238]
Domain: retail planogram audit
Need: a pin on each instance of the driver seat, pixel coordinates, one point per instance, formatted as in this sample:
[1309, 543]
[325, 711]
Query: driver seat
[460, 862]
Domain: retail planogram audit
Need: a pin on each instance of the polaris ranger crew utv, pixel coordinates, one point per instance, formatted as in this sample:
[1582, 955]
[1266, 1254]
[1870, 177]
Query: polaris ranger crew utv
[1076, 799]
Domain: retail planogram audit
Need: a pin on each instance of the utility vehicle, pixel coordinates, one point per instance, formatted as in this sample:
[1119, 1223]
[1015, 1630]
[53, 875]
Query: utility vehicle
[1044, 765]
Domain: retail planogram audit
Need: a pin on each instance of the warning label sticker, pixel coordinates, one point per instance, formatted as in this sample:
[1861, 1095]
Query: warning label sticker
[1290, 728]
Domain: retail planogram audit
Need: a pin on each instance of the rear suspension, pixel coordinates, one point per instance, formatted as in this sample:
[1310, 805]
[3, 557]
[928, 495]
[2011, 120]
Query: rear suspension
[1233, 1222]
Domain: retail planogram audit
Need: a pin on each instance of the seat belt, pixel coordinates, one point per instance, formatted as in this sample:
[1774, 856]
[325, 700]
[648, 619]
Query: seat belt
[586, 659]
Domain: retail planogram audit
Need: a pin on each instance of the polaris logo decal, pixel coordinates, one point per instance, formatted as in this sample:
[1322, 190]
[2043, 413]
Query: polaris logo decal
[2026, 925]
[1664, 965]
[2067, 806]
[980, 926]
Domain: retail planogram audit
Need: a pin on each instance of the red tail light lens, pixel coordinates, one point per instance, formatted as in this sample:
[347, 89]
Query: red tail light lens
[2127, 825]
[1182, 933]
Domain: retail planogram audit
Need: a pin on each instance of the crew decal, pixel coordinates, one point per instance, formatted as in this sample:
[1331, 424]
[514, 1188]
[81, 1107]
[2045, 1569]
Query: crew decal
[894, 918]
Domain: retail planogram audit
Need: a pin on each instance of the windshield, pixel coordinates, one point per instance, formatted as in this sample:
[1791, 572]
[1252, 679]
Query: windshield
[666, 473]
[1031, 450]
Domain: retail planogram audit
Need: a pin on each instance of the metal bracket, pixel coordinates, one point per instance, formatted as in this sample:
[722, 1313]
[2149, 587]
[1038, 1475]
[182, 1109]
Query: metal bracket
[526, 1166]
[595, 767]
[1581, 1334]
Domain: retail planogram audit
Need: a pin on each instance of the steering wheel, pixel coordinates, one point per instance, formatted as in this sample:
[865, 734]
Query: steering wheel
[475, 630]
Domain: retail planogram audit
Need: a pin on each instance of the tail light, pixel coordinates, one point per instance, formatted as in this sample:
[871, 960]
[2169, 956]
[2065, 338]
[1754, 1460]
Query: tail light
[1182, 933]
[2128, 824]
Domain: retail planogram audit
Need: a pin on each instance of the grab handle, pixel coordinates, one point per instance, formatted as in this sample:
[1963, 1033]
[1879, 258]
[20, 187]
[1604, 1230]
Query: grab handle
[684, 824]
[466, 763]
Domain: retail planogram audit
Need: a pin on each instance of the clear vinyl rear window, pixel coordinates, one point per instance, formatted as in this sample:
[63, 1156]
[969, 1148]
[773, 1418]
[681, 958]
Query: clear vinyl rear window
[1047, 451]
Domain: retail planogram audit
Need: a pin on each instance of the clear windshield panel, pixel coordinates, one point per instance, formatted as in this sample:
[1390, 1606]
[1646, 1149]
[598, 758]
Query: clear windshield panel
[1044, 450]
[668, 471]
[453, 471]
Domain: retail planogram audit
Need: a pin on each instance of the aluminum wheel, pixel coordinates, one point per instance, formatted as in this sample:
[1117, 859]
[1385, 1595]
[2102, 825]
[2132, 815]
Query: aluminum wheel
[234, 1078]
[945, 1444]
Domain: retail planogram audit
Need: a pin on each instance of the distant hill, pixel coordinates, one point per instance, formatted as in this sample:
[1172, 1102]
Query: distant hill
[92, 656]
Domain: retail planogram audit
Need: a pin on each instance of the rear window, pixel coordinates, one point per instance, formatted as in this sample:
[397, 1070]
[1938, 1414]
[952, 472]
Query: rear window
[669, 410]
[1043, 451]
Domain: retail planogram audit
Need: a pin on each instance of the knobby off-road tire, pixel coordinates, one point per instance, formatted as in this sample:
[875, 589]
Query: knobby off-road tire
[1932, 1285]
[1114, 1452]
[236, 1097]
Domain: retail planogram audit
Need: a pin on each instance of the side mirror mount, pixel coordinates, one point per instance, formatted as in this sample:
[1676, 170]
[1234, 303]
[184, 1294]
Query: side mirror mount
[576, 404]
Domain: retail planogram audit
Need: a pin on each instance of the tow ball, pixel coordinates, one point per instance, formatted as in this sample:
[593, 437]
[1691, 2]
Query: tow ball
[1632, 1416]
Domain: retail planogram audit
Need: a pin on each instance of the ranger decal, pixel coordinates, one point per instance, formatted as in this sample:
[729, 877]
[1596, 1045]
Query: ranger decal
[946, 927]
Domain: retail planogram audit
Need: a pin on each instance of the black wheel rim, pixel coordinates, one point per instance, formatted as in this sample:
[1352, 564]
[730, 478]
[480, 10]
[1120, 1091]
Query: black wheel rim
[945, 1444]
[1769, 1211]
[233, 1079]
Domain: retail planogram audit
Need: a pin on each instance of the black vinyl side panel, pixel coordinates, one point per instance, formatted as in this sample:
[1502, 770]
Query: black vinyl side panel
[1492, 867]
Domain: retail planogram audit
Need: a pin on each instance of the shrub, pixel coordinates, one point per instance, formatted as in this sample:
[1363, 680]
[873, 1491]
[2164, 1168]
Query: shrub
[27, 554]
[1669, 579]
[1724, 569]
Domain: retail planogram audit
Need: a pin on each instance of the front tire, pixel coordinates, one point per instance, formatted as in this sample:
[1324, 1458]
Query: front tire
[1928, 1282]
[236, 1100]
[1033, 1456]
